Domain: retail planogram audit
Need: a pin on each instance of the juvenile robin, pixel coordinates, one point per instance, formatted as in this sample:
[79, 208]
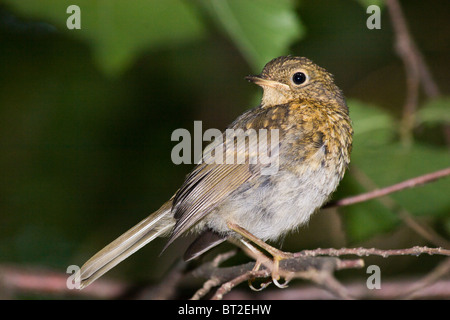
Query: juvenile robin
[240, 202]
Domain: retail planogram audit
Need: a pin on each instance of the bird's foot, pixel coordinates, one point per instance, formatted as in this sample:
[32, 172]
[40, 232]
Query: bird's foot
[262, 259]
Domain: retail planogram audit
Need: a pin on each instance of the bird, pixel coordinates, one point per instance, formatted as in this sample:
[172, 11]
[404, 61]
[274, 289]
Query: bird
[252, 202]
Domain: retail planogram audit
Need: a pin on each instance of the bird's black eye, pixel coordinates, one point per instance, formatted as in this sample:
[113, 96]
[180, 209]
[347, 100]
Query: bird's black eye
[299, 78]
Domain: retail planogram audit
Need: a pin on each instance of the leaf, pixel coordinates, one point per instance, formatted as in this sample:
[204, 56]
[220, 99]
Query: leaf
[261, 29]
[446, 226]
[434, 112]
[363, 220]
[366, 3]
[118, 31]
[390, 164]
[371, 125]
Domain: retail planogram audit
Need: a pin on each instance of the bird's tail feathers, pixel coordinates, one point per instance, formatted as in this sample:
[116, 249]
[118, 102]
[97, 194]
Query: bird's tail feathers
[158, 224]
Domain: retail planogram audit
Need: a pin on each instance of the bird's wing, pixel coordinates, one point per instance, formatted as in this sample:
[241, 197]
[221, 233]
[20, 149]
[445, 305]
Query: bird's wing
[204, 189]
[210, 183]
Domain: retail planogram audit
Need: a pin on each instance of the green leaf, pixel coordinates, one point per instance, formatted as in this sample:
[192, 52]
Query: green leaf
[261, 29]
[446, 226]
[391, 164]
[363, 220]
[372, 125]
[118, 31]
[434, 112]
[366, 3]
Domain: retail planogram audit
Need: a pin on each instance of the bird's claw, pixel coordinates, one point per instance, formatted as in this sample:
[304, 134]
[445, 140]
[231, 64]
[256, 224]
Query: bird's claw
[275, 276]
[262, 286]
[283, 285]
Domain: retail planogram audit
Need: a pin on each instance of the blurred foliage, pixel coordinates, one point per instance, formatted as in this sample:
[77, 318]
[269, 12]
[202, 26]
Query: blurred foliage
[434, 112]
[118, 31]
[261, 29]
[366, 3]
[386, 161]
[86, 115]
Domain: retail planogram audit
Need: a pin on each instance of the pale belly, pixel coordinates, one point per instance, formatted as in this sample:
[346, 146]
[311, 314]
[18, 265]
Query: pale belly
[276, 204]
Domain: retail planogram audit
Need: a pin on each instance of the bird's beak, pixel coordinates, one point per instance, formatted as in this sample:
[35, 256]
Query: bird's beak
[263, 82]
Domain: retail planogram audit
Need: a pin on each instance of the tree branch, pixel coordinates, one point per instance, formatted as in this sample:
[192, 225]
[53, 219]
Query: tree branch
[426, 178]
[15, 279]
[441, 270]
[21, 279]
[390, 289]
[415, 68]
[414, 251]
[305, 265]
[424, 231]
[408, 51]
[317, 269]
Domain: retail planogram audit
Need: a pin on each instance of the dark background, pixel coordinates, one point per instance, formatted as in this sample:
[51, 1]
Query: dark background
[85, 136]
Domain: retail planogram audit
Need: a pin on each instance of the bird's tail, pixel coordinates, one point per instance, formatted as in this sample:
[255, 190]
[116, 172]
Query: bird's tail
[160, 223]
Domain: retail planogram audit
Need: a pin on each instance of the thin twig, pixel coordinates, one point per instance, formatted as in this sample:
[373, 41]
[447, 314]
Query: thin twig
[304, 265]
[423, 230]
[432, 277]
[408, 49]
[390, 289]
[36, 280]
[213, 281]
[229, 285]
[167, 286]
[206, 288]
[317, 269]
[415, 68]
[426, 178]
[15, 279]
[329, 282]
[414, 251]
[325, 278]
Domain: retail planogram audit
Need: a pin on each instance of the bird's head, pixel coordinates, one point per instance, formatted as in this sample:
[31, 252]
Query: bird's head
[288, 78]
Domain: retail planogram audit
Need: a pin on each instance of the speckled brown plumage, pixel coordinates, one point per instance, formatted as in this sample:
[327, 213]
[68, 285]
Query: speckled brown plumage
[309, 113]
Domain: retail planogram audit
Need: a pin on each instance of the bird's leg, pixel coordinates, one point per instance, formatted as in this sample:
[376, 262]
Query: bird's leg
[260, 259]
[277, 254]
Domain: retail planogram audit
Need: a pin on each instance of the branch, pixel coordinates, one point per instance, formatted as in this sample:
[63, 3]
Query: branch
[317, 269]
[390, 289]
[408, 51]
[441, 270]
[35, 280]
[15, 279]
[415, 67]
[424, 231]
[304, 265]
[166, 287]
[414, 251]
[426, 178]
